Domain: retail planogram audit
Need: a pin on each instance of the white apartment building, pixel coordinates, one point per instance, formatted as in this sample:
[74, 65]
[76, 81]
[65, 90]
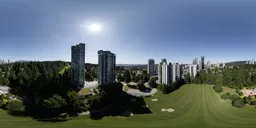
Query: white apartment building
[194, 70]
[165, 73]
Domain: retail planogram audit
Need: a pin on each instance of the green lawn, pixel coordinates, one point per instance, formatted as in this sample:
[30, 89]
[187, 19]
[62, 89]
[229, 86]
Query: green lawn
[63, 70]
[195, 106]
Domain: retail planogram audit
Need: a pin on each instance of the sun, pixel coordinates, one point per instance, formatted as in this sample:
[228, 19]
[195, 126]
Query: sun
[95, 27]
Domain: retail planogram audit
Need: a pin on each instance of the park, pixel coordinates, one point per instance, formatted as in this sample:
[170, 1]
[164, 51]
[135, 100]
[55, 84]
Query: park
[195, 105]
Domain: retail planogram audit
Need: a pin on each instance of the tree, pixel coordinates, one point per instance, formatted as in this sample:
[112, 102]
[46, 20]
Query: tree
[15, 107]
[224, 96]
[133, 78]
[187, 78]
[1, 103]
[127, 76]
[76, 103]
[238, 103]
[152, 83]
[55, 101]
[253, 102]
[120, 78]
[218, 88]
[247, 100]
[234, 97]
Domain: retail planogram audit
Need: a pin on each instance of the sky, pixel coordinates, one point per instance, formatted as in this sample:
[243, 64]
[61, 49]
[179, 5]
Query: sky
[135, 30]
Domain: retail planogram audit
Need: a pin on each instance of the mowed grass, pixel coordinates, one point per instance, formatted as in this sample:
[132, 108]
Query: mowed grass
[196, 106]
[63, 70]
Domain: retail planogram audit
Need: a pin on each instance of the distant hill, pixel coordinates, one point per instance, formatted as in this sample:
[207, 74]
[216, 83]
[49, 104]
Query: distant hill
[234, 63]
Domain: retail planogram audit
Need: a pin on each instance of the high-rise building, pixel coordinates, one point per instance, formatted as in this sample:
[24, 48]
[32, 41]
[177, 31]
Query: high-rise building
[106, 67]
[177, 71]
[202, 62]
[78, 65]
[194, 70]
[195, 61]
[172, 70]
[156, 69]
[200, 66]
[190, 70]
[165, 73]
[208, 64]
[151, 67]
[160, 73]
[164, 61]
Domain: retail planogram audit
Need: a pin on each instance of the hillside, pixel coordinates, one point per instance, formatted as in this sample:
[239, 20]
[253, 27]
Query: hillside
[194, 105]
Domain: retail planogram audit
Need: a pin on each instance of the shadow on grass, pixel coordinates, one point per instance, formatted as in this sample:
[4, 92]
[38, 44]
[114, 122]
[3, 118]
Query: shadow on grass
[119, 104]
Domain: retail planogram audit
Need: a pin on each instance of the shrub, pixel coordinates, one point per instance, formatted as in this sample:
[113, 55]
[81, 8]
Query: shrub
[240, 93]
[238, 103]
[224, 96]
[253, 102]
[247, 100]
[238, 90]
[234, 97]
[228, 94]
[15, 107]
[1, 103]
[218, 88]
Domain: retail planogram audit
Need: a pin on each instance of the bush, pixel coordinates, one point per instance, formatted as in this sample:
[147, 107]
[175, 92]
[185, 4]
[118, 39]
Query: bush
[15, 107]
[240, 93]
[165, 89]
[228, 94]
[238, 90]
[234, 97]
[238, 103]
[253, 102]
[1, 103]
[247, 100]
[218, 88]
[224, 96]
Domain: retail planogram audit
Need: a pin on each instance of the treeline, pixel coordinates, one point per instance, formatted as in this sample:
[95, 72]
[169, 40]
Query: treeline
[236, 77]
[233, 77]
[91, 72]
[44, 92]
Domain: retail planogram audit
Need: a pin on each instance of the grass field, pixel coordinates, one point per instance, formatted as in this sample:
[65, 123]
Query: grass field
[196, 106]
[63, 70]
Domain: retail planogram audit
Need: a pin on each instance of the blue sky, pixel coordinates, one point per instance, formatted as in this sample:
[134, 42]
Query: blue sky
[135, 30]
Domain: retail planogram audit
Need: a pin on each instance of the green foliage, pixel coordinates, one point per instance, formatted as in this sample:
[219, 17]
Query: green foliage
[1, 103]
[152, 82]
[15, 107]
[238, 103]
[76, 102]
[224, 96]
[165, 89]
[120, 78]
[55, 101]
[218, 88]
[240, 93]
[228, 94]
[253, 102]
[247, 100]
[236, 77]
[127, 76]
[234, 97]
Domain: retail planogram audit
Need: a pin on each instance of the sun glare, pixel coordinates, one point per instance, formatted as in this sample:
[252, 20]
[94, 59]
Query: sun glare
[95, 27]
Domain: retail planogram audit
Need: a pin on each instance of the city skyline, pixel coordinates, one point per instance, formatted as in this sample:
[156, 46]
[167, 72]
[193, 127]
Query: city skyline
[174, 30]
